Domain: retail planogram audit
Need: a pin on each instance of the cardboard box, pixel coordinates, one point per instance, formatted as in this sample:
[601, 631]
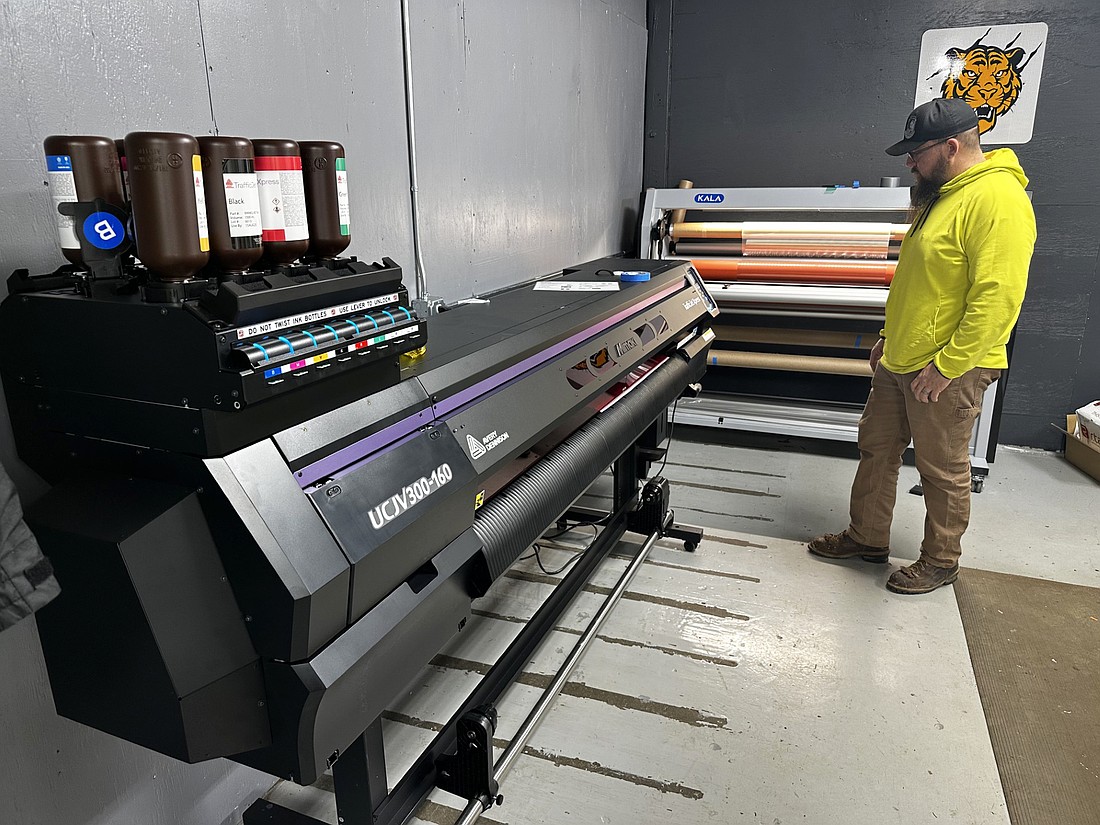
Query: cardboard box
[1088, 423]
[1081, 453]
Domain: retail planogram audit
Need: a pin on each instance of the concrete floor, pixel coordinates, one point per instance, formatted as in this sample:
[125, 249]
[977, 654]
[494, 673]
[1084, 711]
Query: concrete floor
[1036, 516]
[749, 681]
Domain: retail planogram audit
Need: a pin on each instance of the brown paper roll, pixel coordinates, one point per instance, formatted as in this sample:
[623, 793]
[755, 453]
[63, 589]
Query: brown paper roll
[790, 363]
[678, 215]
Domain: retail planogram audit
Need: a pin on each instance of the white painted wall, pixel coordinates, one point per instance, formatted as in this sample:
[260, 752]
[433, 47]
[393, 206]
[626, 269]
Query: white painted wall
[529, 126]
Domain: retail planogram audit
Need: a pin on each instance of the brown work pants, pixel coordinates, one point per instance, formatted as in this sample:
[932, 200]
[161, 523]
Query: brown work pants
[940, 432]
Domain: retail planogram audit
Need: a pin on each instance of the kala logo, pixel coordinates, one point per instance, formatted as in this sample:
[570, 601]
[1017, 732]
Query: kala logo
[476, 450]
[709, 197]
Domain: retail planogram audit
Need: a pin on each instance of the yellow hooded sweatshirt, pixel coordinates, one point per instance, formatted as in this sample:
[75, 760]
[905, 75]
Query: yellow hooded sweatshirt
[962, 272]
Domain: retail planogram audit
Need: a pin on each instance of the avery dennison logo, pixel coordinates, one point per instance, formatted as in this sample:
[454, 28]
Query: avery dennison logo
[476, 450]
[709, 197]
[479, 448]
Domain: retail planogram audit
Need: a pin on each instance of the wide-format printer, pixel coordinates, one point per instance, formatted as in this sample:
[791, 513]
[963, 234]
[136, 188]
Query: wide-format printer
[272, 503]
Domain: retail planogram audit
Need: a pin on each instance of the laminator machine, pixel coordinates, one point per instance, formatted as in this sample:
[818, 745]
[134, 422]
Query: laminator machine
[265, 522]
[801, 276]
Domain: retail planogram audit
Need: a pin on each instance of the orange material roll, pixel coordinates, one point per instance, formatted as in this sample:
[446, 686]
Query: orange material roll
[783, 270]
[812, 230]
[795, 337]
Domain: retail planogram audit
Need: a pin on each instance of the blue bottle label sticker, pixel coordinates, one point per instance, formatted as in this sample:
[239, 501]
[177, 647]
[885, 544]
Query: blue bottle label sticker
[59, 174]
[59, 163]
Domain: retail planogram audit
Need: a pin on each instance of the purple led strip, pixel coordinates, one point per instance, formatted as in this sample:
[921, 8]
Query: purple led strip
[330, 464]
[353, 453]
[449, 405]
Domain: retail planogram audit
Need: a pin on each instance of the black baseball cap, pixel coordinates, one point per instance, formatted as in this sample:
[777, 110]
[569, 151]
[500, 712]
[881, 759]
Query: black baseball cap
[936, 119]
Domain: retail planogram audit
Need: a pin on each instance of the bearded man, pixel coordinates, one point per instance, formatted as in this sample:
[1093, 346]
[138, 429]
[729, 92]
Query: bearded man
[955, 297]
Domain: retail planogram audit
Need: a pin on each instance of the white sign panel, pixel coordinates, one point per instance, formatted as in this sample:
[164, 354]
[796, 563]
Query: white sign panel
[576, 286]
[996, 69]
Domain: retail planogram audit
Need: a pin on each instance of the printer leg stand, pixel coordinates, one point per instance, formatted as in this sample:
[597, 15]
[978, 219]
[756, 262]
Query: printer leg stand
[359, 777]
[654, 514]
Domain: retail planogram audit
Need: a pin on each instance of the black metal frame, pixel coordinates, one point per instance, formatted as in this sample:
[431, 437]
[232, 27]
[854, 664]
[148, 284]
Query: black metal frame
[359, 775]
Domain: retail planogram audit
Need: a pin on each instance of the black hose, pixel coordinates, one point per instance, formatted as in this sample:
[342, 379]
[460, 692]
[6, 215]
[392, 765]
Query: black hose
[516, 516]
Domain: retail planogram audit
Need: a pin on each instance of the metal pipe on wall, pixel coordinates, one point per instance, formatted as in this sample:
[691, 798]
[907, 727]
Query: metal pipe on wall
[406, 51]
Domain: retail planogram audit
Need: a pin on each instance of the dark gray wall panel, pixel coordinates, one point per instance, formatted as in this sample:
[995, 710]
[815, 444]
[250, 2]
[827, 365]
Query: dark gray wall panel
[799, 94]
[1087, 385]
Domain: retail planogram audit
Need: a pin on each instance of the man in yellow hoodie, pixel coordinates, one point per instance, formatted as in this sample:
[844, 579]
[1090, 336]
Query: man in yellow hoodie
[953, 302]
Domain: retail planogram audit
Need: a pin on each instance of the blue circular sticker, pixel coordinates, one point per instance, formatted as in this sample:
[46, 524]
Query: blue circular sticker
[104, 231]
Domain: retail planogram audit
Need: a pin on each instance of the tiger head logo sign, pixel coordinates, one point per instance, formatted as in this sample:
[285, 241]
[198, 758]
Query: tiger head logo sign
[988, 78]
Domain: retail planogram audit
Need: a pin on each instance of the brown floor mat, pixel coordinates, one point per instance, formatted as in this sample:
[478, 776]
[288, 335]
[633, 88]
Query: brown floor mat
[1035, 646]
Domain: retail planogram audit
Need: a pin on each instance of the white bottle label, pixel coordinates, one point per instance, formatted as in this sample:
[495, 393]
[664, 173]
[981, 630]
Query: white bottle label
[200, 203]
[342, 196]
[282, 198]
[59, 174]
[294, 205]
[242, 204]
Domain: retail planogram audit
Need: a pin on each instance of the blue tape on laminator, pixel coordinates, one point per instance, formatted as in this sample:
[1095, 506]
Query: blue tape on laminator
[632, 275]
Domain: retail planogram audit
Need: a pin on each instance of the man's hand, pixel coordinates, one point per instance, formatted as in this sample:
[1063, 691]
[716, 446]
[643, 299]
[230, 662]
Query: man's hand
[876, 353]
[928, 384]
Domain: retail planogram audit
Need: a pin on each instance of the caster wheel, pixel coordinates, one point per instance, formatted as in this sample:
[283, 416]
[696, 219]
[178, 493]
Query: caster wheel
[690, 546]
[977, 483]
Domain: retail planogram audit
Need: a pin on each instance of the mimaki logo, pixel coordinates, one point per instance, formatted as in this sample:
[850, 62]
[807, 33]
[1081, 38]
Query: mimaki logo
[626, 346]
[489, 442]
[709, 197]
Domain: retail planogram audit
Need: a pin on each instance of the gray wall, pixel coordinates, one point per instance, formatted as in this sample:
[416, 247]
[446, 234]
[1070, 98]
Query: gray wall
[802, 94]
[529, 121]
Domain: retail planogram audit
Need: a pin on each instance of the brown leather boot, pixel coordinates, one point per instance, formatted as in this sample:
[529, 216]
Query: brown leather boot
[843, 546]
[921, 577]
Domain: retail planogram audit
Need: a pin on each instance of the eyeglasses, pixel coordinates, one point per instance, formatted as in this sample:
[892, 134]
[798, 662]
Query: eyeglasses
[921, 151]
